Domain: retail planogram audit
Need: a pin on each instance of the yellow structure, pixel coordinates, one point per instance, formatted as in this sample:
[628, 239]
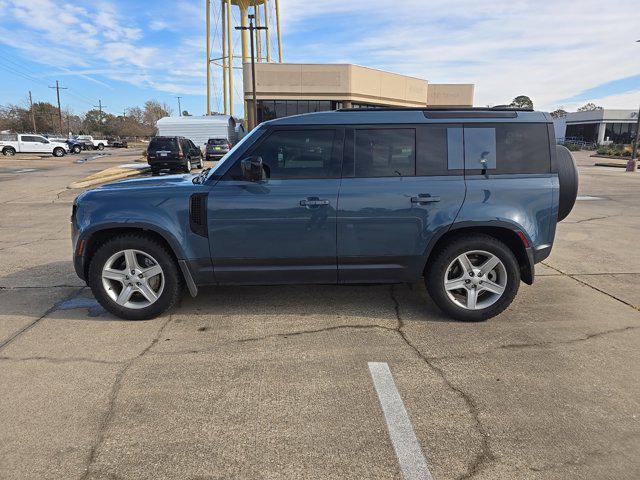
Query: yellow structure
[292, 88]
[261, 10]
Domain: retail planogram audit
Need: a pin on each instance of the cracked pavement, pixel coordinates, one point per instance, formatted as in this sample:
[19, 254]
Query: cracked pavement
[272, 382]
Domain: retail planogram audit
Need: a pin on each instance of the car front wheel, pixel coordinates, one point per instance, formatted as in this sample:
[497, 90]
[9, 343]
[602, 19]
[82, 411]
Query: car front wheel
[134, 277]
[473, 278]
[58, 152]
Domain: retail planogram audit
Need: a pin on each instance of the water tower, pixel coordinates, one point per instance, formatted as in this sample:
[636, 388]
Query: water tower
[232, 14]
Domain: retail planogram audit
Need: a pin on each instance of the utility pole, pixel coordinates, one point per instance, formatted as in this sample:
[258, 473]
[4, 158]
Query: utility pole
[33, 117]
[179, 107]
[208, 2]
[633, 162]
[58, 88]
[251, 28]
[99, 107]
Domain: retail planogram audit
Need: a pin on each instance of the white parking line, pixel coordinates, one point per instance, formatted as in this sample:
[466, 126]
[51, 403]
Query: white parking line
[405, 443]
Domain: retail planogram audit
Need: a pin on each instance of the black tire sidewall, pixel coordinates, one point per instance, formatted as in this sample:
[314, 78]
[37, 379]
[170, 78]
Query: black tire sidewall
[58, 152]
[436, 270]
[172, 278]
[9, 152]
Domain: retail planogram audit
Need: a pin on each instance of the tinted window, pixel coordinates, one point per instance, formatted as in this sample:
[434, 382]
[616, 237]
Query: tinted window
[32, 138]
[217, 141]
[385, 152]
[433, 148]
[288, 154]
[163, 144]
[508, 148]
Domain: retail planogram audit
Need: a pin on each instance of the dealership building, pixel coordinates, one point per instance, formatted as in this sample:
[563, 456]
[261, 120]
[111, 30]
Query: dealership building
[284, 89]
[598, 126]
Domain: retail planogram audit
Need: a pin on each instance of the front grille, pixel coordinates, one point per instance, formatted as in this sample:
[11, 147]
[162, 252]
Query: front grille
[198, 214]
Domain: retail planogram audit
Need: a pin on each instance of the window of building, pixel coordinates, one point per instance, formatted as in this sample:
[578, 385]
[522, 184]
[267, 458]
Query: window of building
[385, 152]
[294, 154]
[620, 132]
[586, 132]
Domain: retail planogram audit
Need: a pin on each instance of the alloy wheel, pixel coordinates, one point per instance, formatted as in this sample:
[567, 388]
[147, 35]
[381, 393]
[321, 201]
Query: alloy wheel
[133, 279]
[475, 280]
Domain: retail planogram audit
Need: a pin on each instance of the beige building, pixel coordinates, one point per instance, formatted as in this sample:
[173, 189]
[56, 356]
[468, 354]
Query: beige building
[284, 89]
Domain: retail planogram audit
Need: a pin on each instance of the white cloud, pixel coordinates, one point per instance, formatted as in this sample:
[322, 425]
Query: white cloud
[549, 50]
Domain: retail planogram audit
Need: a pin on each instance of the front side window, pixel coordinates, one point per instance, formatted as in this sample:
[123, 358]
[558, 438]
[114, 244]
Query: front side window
[385, 152]
[296, 154]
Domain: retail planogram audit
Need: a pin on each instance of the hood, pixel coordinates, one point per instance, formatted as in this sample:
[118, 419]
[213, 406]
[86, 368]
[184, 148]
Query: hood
[185, 180]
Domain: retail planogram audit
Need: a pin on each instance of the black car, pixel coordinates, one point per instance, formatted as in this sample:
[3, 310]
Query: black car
[117, 143]
[174, 154]
[217, 148]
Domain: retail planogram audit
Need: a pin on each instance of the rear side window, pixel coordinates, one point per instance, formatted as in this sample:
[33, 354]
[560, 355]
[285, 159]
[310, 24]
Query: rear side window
[385, 152]
[163, 144]
[509, 148]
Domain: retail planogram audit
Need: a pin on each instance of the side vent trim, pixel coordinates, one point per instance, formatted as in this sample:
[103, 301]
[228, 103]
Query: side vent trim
[198, 214]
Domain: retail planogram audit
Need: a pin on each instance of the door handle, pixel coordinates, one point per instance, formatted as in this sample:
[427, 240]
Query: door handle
[424, 198]
[313, 202]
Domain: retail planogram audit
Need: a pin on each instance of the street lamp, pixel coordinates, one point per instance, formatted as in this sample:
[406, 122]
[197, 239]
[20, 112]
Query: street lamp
[251, 28]
[632, 164]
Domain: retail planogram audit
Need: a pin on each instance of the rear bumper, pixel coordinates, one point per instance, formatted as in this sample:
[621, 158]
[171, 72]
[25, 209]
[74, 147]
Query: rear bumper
[166, 163]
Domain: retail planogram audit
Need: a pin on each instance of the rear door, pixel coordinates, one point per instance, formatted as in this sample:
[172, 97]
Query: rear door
[400, 185]
[281, 229]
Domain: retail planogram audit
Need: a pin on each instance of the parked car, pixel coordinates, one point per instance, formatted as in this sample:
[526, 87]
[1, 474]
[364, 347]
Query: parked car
[87, 144]
[118, 143]
[30, 143]
[216, 148]
[75, 146]
[173, 154]
[466, 200]
[98, 144]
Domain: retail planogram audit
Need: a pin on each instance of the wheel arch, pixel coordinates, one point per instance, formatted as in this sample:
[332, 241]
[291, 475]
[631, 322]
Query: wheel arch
[510, 234]
[94, 239]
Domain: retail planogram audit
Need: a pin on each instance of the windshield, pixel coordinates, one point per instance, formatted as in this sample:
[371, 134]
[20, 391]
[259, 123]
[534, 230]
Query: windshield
[160, 143]
[217, 141]
[253, 134]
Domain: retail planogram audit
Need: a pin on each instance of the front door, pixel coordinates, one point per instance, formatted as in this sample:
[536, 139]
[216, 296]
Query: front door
[281, 229]
[401, 185]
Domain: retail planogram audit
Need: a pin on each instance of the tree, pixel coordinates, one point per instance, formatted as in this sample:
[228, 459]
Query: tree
[154, 111]
[588, 107]
[521, 101]
[559, 113]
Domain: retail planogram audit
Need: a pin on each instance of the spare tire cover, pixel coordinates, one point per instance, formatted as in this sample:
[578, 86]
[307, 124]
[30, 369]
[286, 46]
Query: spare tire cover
[568, 179]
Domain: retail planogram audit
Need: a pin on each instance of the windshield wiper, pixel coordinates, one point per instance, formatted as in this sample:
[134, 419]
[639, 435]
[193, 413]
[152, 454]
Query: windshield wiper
[202, 176]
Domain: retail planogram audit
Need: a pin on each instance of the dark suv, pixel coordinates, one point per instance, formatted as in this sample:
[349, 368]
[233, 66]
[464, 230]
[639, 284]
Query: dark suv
[466, 199]
[173, 154]
[217, 148]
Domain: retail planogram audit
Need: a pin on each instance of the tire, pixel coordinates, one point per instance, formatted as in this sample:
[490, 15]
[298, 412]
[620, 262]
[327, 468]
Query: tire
[100, 146]
[9, 151]
[77, 149]
[201, 163]
[568, 179]
[155, 172]
[443, 265]
[187, 166]
[58, 152]
[167, 284]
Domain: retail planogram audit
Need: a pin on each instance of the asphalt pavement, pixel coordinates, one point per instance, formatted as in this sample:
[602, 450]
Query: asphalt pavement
[318, 381]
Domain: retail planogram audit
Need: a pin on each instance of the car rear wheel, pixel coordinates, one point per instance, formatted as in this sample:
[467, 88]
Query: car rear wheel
[473, 278]
[100, 146]
[9, 151]
[134, 277]
[58, 152]
[187, 166]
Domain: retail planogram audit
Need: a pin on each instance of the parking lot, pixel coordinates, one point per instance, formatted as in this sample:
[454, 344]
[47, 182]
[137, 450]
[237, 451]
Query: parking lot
[280, 382]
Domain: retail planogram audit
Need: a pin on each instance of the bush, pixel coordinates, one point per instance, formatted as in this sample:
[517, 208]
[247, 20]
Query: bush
[572, 147]
[602, 151]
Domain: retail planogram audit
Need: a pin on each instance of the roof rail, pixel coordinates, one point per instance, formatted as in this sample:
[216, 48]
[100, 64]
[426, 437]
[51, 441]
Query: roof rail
[497, 108]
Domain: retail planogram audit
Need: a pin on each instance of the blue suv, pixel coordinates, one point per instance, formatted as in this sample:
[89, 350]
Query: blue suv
[467, 199]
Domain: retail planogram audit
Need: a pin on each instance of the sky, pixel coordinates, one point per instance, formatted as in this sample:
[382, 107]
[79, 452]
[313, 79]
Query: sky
[561, 53]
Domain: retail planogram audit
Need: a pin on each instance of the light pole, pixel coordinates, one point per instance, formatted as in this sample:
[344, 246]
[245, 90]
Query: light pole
[251, 29]
[632, 164]
[180, 108]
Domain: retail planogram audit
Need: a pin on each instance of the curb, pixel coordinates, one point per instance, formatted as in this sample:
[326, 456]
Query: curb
[110, 174]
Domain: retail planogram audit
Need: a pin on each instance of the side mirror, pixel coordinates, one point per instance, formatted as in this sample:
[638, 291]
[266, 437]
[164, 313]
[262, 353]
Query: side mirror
[252, 168]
